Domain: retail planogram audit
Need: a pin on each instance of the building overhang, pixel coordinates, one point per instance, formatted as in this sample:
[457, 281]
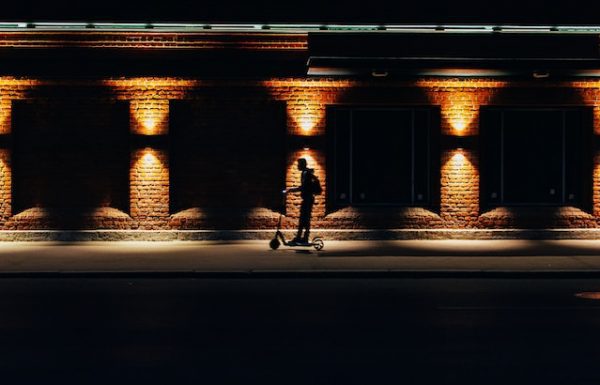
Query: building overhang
[454, 54]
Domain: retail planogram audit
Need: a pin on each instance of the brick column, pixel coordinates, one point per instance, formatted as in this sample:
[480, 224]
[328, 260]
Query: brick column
[459, 201]
[149, 187]
[596, 160]
[5, 160]
[149, 166]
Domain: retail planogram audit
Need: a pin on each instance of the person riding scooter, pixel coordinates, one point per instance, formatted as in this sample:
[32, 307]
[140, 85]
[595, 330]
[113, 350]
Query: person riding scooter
[309, 187]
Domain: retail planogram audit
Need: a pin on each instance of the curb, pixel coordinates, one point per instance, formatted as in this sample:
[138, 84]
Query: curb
[309, 274]
[266, 234]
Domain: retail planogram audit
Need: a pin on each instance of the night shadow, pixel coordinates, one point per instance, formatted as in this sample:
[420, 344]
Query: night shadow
[525, 247]
[70, 157]
[227, 156]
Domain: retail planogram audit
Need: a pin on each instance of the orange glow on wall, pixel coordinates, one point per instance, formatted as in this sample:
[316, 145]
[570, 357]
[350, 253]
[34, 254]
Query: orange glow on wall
[460, 102]
[12, 89]
[307, 122]
[460, 111]
[306, 102]
[458, 160]
[149, 117]
[148, 165]
[147, 87]
[5, 116]
[149, 100]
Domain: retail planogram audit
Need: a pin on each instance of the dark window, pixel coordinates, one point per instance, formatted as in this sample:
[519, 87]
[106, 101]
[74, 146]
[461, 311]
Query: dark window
[382, 156]
[536, 157]
[227, 157]
[70, 153]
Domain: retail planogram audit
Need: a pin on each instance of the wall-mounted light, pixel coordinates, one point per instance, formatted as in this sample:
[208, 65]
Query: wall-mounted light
[379, 74]
[149, 157]
[305, 143]
[307, 123]
[149, 124]
[457, 142]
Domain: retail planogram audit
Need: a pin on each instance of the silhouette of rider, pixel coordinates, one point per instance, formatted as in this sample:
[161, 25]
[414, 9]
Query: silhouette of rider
[307, 193]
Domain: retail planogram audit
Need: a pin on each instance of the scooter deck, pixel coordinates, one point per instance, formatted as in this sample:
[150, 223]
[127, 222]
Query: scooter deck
[300, 244]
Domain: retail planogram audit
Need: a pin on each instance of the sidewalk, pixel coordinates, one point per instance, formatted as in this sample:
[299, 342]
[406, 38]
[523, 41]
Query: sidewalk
[338, 257]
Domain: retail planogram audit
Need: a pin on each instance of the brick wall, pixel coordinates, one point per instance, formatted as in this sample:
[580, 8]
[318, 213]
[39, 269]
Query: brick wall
[236, 114]
[157, 40]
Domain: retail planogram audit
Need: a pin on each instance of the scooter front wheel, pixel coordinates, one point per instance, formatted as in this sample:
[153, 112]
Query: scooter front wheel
[318, 243]
[274, 244]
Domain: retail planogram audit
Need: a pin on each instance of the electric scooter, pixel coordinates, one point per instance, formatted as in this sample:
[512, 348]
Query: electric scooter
[279, 239]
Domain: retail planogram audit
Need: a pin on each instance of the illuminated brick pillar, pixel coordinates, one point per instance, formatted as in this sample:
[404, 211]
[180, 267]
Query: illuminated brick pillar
[459, 187]
[459, 202]
[5, 184]
[596, 184]
[596, 120]
[590, 93]
[316, 160]
[459, 195]
[5, 160]
[149, 187]
[149, 167]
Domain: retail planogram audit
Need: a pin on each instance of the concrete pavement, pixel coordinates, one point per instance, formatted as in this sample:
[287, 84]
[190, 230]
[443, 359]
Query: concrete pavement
[415, 256]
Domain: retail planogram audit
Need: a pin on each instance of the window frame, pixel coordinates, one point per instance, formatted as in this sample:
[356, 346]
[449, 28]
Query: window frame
[585, 197]
[431, 196]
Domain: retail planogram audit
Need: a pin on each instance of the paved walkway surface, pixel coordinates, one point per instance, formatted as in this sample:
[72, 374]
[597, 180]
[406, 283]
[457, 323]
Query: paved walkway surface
[420, 256]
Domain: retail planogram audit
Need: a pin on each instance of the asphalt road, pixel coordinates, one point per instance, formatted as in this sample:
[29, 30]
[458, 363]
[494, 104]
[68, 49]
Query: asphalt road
[299, 331]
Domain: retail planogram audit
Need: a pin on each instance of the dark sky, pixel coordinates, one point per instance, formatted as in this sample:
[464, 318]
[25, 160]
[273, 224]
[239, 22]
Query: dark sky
[351, 11]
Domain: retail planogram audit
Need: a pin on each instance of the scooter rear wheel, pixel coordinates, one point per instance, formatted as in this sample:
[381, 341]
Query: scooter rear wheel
[318, 243]
[274, 243]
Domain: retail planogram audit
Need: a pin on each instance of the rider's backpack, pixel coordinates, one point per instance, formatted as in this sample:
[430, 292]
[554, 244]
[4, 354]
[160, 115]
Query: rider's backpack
[315, 185]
